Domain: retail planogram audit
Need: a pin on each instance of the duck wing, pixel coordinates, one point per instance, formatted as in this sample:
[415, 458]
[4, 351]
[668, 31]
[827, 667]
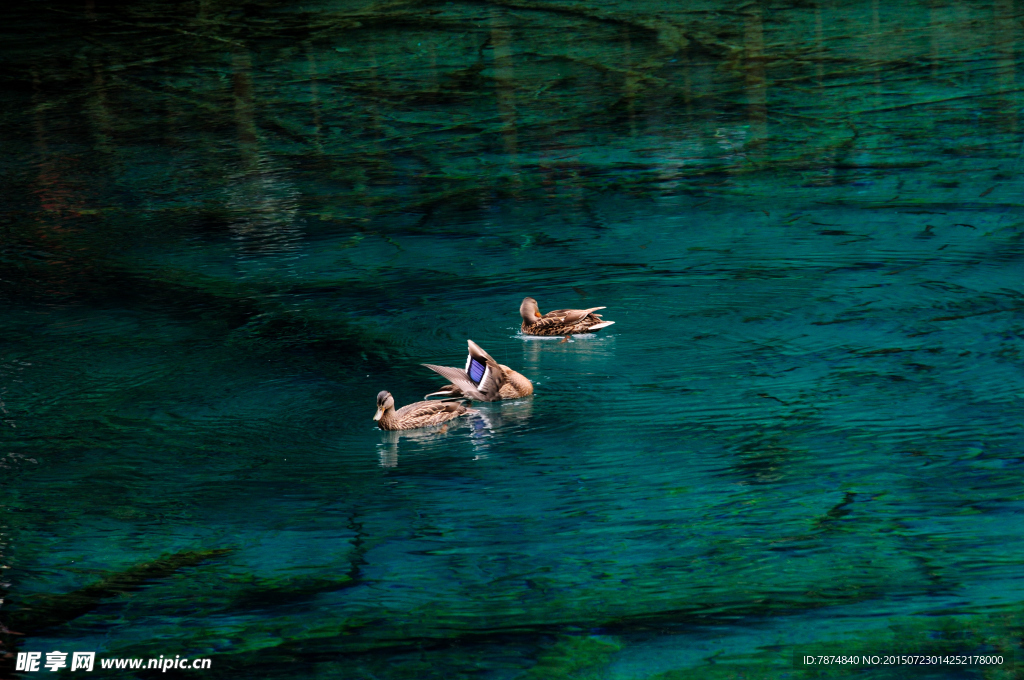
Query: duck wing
[461, 381]
[423, 413]
[570, 315]
[480, 380]
[478, 356]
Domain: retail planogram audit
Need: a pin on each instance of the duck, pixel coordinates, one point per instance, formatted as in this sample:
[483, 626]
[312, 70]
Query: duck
[563, 322]
[418, 414]
[483, 379]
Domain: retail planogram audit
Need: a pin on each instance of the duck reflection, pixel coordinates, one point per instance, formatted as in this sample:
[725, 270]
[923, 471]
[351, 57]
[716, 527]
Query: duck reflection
[494, 418]
[428, 437]
[480, 430]
[586, 346]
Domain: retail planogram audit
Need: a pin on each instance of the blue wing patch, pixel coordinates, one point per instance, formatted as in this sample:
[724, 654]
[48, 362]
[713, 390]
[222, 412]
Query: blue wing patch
[476, 371]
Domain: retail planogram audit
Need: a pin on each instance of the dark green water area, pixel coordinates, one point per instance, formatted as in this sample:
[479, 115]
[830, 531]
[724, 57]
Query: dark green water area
[226, 225]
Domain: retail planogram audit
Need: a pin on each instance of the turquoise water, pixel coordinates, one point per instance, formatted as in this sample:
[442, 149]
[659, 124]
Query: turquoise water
[226, 226]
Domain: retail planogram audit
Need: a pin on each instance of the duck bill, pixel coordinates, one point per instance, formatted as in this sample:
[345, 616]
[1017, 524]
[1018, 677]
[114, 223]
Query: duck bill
[379, 414]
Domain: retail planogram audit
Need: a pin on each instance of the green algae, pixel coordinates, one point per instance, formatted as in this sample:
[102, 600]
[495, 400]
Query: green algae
[502, 616]
[47, 611]
[39, 613]
[574, 658]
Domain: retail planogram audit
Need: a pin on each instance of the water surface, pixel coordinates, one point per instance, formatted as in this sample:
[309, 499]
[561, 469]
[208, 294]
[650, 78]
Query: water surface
[226, 226]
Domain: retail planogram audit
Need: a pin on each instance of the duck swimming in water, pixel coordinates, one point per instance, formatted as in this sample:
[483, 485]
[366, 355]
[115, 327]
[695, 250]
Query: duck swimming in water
[418, 414]
[483, 379]
[559, 322]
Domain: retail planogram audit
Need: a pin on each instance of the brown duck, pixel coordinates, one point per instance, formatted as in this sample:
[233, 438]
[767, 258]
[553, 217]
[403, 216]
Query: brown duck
[418, 414]
[483, 379]
[559, 322]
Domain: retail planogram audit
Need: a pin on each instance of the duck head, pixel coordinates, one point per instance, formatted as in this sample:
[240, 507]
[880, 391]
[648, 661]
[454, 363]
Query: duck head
[528, 310]
[384, 402]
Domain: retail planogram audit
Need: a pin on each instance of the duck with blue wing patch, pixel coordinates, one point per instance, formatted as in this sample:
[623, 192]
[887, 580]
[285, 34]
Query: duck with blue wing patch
[483, 379]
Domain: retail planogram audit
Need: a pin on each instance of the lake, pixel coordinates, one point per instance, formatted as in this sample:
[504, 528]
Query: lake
[225, 226]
